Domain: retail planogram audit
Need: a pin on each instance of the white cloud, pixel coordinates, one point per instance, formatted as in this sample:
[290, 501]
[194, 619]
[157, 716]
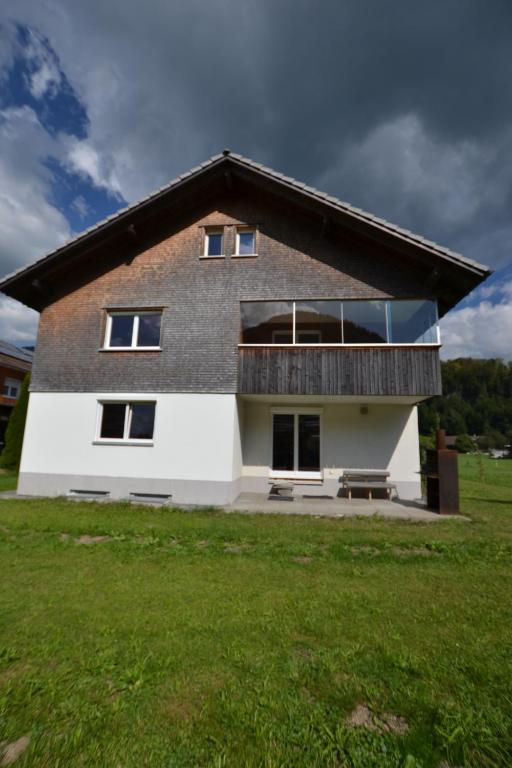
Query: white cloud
[84, 159]
[18, 324]
[481, 331]
[29, 224]
[79, 205]
[45, 77]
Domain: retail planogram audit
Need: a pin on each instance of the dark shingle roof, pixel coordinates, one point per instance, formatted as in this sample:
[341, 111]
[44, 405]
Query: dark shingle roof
[19, 354]
[244, 162]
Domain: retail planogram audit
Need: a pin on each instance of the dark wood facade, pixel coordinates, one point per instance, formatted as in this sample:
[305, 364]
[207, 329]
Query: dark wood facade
[393, 371]
[201, 300]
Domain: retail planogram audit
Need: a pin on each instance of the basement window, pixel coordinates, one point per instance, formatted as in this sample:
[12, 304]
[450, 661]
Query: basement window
[133, 330]
[126, 422]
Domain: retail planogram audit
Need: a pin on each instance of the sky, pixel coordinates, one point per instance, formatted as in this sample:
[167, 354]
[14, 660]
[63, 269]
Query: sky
[400, 107]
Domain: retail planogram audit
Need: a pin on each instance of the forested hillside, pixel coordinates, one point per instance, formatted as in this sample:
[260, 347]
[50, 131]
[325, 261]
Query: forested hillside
[477, 400]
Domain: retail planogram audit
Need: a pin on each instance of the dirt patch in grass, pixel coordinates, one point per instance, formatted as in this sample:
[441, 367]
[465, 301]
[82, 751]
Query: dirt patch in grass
[11, 752]
[303, 559]
[234, 549]
[363, 717]
[395, 551]
[414, 552]
[203, 544]
[365, 550]
[187, 704]
[86, 539]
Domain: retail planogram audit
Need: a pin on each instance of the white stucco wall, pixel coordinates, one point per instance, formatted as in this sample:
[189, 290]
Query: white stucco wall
[195, 439]
[385, 438]
[206, 448]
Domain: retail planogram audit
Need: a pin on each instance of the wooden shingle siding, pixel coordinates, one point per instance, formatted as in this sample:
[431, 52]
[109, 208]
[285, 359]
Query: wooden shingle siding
[201, 300]
[399, 371]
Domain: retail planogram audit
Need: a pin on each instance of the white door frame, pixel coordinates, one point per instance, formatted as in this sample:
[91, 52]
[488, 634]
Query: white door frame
[295, 474]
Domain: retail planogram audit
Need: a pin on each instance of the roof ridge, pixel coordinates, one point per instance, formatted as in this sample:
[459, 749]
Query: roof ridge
[227, 156]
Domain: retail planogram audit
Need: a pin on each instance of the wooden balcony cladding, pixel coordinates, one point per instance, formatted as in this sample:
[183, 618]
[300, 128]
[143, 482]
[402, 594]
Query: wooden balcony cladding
[407, 371]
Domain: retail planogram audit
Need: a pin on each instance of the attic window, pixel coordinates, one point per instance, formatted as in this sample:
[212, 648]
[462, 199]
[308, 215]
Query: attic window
[214, 243]
[245, 241]
[133, 330]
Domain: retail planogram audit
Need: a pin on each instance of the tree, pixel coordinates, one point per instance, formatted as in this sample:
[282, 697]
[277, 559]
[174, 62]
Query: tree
[11, 454]
[464, 444]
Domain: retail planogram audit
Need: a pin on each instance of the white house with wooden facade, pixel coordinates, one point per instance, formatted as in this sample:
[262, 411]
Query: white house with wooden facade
[233, 330]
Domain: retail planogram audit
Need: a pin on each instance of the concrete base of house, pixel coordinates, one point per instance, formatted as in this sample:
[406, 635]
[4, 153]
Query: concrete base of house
[197, 492]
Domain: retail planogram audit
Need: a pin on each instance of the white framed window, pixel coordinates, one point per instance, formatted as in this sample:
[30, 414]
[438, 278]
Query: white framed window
[245, 241]
[296, 443]
[11, 388]
[126, 422]
[133, 330]
[214, 243]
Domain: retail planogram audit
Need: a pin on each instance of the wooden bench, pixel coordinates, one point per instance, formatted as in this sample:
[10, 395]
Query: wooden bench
[369, 480]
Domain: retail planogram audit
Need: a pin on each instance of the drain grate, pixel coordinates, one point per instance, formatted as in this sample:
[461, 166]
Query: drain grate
[153, 498]
[80, 493]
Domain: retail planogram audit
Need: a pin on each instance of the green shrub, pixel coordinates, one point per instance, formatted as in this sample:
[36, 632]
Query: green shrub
[427, 442]
[11, 454]
[464, 444]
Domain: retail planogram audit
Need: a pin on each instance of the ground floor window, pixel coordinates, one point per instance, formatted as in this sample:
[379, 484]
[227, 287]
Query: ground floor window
[296, 444]
[127, 421]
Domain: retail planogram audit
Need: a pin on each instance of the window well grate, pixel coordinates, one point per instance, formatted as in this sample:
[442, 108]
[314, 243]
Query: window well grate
[81, 493]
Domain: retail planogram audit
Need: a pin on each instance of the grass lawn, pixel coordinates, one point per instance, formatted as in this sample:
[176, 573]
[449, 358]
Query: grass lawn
[8, 480]
[205, 639]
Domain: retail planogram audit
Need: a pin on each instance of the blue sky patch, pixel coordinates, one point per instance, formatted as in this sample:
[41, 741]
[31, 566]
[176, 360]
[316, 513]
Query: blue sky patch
[36, 79]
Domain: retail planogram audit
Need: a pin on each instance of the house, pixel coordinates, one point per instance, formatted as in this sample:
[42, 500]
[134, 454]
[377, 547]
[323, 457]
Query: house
[234, 328]
[15, 363]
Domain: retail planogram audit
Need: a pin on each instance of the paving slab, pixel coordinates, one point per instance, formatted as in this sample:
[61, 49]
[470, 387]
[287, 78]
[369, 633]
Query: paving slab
[337, 507]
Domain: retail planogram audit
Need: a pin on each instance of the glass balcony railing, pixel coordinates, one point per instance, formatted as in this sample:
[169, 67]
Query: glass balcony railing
[396, 321]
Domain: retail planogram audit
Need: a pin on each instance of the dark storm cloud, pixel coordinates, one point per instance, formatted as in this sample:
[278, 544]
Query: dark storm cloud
[403, 107]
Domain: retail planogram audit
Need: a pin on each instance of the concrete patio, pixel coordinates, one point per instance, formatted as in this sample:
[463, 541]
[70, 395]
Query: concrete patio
[315, 506]
[337, 507]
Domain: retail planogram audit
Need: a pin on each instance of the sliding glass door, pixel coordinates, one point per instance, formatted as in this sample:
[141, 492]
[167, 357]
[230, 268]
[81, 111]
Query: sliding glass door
[296, 445]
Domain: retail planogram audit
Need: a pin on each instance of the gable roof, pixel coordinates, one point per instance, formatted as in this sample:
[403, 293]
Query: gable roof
[16, 352]
[231, 162]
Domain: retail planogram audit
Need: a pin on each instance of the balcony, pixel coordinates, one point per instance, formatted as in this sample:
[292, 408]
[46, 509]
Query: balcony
[334, 347]
[390, 371]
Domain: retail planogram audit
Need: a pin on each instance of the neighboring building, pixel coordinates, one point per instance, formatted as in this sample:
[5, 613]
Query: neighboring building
[14, 365]
[234, 328]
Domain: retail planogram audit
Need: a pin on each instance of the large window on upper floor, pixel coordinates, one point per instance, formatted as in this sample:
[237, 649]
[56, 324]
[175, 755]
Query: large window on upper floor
[133, 330]
[398, 321]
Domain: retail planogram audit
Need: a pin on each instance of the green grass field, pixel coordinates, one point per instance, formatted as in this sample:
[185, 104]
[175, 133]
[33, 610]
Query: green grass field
[206, 639]
[8, 480]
